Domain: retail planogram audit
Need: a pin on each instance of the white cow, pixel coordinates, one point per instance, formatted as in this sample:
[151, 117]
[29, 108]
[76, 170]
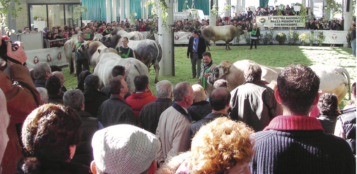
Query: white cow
[333, 79]
[134, 35]
[70, 56]
[107, 61]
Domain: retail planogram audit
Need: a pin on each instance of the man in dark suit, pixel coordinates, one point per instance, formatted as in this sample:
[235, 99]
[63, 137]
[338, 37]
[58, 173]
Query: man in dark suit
[311, 25]
[196, 47]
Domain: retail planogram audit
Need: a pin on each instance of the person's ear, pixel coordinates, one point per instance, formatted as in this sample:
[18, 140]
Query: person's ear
[277, 96]
[93, 167]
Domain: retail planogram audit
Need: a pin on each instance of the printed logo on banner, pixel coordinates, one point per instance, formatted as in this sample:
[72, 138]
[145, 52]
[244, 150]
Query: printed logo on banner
[334, 36]
[262, 20]
[177, 37]
[189, 36]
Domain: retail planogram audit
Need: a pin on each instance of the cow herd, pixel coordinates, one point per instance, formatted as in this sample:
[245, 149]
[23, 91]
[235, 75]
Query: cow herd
[103, 57]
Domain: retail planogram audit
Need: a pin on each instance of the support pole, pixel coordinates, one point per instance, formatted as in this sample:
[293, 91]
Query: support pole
[107, 6]
[166, 41]
[348, 17]
[243, 6]
[228, 12]
[127, 9]
[122, 10]
[115, 10]
[212, 18]
[238, 7]
[311, 5]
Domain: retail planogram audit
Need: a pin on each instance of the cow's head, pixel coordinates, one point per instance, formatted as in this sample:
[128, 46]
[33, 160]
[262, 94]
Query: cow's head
[84, 47]
[220, 72]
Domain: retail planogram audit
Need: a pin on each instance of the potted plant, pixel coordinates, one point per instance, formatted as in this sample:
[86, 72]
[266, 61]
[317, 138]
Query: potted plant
[311, 38]
[295, 37]
[303, 37]
[271, 36]
[281, 38]
[267, 38]
[320, 37]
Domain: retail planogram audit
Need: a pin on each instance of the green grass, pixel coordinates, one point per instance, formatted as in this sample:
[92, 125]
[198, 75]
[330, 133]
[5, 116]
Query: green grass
[272, 55]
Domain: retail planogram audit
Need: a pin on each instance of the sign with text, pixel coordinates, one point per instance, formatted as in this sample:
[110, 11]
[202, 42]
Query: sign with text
[279, 21]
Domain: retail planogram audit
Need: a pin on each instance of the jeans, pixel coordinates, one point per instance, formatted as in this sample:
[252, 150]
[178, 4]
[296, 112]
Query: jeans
[353, 45]
[80, 63]
[195, 61]
[251, 43]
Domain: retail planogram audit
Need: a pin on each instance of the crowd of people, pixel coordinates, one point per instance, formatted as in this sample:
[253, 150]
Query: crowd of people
[46, 128]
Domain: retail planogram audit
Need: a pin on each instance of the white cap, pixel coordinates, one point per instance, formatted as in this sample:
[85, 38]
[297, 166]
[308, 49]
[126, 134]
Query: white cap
[124, 149]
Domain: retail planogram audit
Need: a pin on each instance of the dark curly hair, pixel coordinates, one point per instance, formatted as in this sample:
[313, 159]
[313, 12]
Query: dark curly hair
[298, 87]
[328, 104]
[50, 130]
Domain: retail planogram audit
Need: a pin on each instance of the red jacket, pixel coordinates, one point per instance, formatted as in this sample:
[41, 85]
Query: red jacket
[20, 103]
[138, 100]
[142, 28]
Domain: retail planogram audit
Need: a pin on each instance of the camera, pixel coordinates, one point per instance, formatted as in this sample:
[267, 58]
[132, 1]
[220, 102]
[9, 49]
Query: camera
[3, 49]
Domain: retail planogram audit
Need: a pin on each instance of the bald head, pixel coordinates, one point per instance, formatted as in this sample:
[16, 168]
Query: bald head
[219, 99]
[4, 123]
[60, 76]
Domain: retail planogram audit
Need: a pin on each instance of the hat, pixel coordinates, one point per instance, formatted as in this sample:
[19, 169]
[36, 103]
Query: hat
[124, 149]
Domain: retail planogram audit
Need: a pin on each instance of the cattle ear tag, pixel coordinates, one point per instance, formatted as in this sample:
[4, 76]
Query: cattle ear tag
[225, 71]
[127, 64]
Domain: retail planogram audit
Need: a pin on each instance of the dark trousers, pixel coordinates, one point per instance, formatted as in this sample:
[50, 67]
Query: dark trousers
[195, 61]
[80, 63]
[251, 43]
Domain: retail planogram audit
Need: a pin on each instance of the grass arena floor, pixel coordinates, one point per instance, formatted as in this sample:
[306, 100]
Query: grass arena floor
[270, 55]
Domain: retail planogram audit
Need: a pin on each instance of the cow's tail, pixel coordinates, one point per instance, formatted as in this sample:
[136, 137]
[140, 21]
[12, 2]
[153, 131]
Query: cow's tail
[159, 52]
[344, 71]
[140, 73]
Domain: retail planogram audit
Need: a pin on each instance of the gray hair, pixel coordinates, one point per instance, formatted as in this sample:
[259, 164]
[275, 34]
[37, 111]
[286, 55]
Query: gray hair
[181, 90]
[199, 93]
[252, 72]
[41, 69]
[164, 89]
[73, 98]
[43, 94]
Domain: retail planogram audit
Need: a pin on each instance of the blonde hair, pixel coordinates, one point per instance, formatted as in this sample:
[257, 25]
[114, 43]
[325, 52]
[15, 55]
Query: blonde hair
[220, 145]
[199, 93]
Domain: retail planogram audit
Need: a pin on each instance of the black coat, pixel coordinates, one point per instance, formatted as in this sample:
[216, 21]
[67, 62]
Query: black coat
[197, 125]
[32, 165]
[311, 26]
[328, 123]
[201, 47]
[84, 154]
[55, 99]
[199, 110]
[115, 111]
[40, 83]
[92, 100]
[150, 115]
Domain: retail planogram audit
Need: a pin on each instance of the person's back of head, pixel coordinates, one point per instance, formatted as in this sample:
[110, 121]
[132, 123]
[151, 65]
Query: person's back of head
[53, 85]
[81, 77]
[51, 131]
[181, 90]
[141, 83]
[42, 71]
[228, 141]
[298, 86]
[74, 98]
[328, 104]
[252, 72]
[220, 83]
[199, 93]
[115, 85]
[124, 149]
[164, 89]
[43, 94]
[91, 82]
[219, 99]
[118, 70]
